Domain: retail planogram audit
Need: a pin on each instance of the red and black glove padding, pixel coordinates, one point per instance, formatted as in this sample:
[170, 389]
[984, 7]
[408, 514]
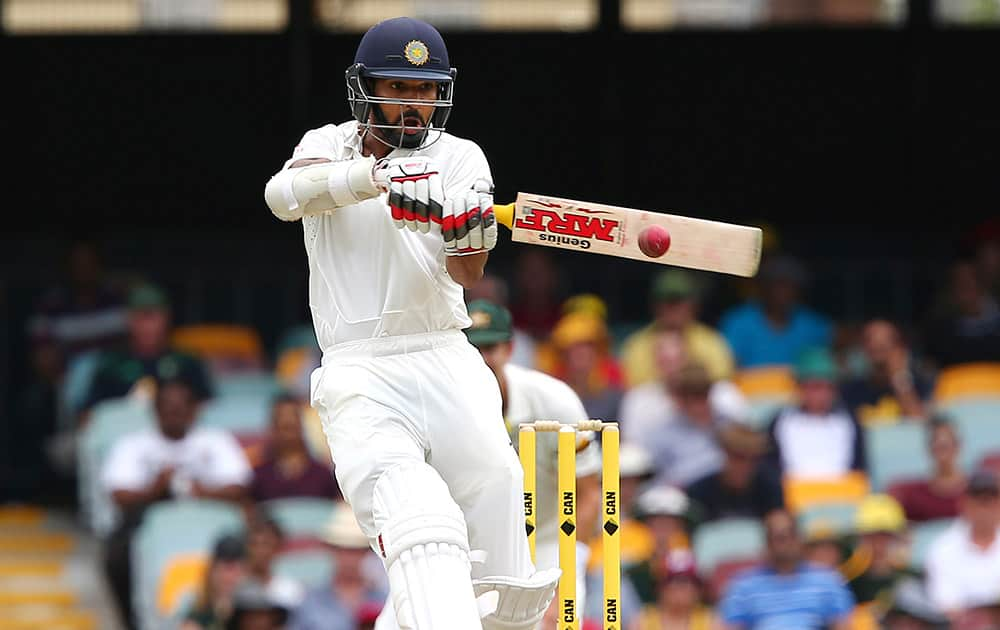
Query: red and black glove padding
[469, 226]
[416, 195]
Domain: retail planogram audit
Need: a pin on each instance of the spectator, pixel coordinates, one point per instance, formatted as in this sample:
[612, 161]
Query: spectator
[255, 608]
[647, 408]
[675, 297]
[86, 312]
[968, 328]
[493, 288]
[536, 303]
[338, 605]
[678, 603]
[786, 592]
[264, 540]
[744, 487]
[938, 496]
[226, 570]
[175, 459]
[666, 513]
[777, 327]
[892, 388]
[823, 543]
[909, 608]
[963, 563]
[817, 438]
[879, 561]
[584, 362]
[684, 446]
[148, 356]
[289, 469]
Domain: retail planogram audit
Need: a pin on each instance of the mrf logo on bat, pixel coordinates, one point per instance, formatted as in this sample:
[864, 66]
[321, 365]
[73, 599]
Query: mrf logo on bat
[569, 225]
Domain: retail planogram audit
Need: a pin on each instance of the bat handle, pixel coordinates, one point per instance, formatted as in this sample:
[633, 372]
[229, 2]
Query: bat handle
[504, 212]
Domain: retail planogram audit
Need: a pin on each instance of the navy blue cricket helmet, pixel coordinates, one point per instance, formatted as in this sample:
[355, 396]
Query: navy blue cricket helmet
[400, 48]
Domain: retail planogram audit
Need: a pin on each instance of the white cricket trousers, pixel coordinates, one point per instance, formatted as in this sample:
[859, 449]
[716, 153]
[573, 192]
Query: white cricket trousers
[426, 398]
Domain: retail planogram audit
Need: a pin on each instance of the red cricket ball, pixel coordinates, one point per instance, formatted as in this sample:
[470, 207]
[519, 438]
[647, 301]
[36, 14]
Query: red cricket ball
[654, 241]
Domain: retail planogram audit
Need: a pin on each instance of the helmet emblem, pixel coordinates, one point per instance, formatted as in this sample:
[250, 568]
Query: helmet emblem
[416, 52]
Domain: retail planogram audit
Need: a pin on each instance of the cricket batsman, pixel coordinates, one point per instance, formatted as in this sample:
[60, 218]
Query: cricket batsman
[397, 219]
[529, 395]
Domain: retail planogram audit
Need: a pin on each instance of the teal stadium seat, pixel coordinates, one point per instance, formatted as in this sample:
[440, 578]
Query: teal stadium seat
[978, 424]
[297, 337]
[109, 420]
[312, 568]
[839, 517]
[258, 385]
[727, 540]
[237, 414]
[169, 529]
[896, 452]
[301, 517]
[76, 384]
[922, 535]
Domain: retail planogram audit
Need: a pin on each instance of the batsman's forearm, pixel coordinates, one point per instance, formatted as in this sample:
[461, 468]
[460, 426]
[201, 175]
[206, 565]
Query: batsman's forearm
[466, 270]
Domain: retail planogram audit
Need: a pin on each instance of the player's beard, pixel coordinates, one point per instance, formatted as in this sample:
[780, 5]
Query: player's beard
[396, 137]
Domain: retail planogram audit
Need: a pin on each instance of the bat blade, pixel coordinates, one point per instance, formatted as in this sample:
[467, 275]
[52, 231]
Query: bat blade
[614, 231]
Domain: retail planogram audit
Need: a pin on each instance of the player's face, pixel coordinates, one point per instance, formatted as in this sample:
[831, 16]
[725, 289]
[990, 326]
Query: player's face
[414, 118]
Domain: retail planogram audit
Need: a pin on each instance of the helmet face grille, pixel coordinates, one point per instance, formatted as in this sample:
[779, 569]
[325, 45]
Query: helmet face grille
[362, 103]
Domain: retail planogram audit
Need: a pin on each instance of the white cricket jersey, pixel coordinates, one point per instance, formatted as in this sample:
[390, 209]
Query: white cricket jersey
[367, 278]
[531, 396]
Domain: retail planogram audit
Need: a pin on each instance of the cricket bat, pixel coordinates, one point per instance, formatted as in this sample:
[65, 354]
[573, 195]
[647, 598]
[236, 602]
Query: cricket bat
[629, 233]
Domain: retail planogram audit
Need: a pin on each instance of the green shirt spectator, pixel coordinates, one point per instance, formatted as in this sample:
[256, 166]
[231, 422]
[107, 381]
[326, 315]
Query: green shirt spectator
[147, 357]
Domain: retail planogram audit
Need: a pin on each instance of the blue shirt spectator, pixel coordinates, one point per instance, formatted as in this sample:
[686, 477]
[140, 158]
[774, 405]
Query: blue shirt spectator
[810, 597]
[786, 593]
[776, 328]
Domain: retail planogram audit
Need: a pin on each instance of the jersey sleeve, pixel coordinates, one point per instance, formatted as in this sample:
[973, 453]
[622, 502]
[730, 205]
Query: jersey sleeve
[469, 165]
[314, 144]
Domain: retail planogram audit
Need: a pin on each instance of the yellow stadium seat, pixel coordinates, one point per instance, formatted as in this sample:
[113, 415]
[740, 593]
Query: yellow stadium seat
[771, 382]
[801, 494]
[182, 575]
[967, 380]
[220, 343]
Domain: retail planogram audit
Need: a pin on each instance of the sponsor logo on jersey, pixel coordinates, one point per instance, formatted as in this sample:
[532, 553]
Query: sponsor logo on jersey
[416, 52]
[576, 227]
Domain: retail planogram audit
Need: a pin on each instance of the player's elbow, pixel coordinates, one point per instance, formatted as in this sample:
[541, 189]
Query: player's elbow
[282, 205]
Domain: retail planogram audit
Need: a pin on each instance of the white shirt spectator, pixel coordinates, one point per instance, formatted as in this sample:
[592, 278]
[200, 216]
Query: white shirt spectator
[649, 407]
[209, 456]
[961, 575]
[811, 446]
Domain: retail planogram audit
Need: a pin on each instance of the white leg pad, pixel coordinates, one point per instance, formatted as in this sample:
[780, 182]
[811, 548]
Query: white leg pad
[424, 545]
[522, 602]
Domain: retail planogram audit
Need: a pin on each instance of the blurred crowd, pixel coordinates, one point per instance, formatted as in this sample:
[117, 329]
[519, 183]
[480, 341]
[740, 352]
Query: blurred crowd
[778, 466]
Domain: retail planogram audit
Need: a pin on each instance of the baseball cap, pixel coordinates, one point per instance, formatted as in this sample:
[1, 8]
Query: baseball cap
[579, 327]
[674, 285]
[740, 438]
[816, 364]
[250, 596]
[662, 500]
[634, 461]
[229, 547]
[586, 303]
[147, 297]
[491, 323]
[879, 513]
[983, 483]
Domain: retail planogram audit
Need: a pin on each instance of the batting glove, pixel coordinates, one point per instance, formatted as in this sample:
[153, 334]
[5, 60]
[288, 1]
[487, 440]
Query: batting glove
[416, 195]
[468, 226]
